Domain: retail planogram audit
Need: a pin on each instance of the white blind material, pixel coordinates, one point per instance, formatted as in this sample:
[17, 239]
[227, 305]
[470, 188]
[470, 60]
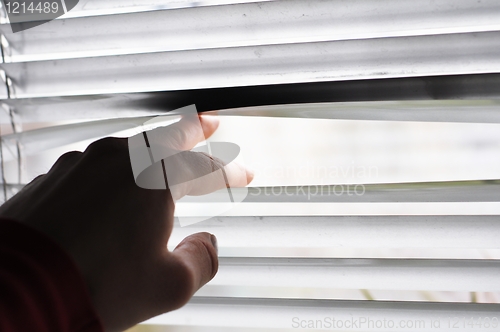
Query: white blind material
[269, 64]
[415, 249]
[247, 25]
[268, 314]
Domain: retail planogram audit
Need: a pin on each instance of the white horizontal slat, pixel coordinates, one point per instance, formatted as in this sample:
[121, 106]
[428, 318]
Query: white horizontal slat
[458, 191]
[363, 294]
[251, 24]
[470, 111]
[477, 93]
[352, 236]
[387, 274]
[119, 106]
[410, 199]
[453, 54]
[193, 210]
[97, 7]
[81, 108]
[38, 140]
[86, 8]
[272, 313]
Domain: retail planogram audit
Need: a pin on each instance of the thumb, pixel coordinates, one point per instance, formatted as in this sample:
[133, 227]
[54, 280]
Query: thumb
[194, 262]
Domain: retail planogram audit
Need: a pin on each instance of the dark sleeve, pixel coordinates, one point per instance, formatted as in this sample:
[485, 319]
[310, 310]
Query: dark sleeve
[41, 288]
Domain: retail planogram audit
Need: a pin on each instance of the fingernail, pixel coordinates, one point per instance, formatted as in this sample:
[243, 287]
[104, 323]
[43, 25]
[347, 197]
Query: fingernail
[210, 118]
[250, 174]
[214, 242]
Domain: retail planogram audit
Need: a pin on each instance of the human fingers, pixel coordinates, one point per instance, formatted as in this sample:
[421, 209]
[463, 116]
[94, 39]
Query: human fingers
[67, 160]
[206, 174]
[60, 167]
[187, 268]
[185, 134]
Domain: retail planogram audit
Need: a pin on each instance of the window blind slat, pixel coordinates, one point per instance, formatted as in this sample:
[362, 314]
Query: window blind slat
[389, 274]
[340, 234]
[443, 93]
[275, 313]
[469, 111]
[90, 8]
[275, 64]
[275, 22]
[38, 140]
[97, 7]
[194, 210]
[448, 191]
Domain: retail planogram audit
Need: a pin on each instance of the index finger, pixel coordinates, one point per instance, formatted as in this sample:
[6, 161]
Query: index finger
[185, 134]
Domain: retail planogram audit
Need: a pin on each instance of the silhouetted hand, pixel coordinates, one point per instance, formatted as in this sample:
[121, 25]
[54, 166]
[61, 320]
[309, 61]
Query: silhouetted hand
[117, 232]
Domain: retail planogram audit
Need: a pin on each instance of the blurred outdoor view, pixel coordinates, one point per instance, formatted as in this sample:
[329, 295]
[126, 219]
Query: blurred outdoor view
[292, 151]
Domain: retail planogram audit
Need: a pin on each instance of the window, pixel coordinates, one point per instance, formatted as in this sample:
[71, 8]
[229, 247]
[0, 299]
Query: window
[373, 127]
